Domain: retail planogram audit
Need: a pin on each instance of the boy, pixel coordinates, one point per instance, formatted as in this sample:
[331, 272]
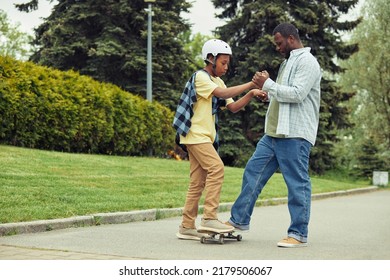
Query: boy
[195, 122]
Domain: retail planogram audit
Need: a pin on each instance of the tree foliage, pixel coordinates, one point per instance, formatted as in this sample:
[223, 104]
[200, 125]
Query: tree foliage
[368, 73]
[106, 39]
[249, 31]
[368, 159]
[13, 42]
[28, 6]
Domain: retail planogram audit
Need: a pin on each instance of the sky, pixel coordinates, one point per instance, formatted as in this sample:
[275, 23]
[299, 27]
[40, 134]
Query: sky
[202, 15]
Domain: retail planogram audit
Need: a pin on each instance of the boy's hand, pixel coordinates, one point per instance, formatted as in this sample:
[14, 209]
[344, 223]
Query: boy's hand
[260, 94]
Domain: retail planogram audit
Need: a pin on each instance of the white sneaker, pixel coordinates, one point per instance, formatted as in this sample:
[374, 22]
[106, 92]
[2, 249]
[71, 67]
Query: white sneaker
[189, 234]
[215, 226]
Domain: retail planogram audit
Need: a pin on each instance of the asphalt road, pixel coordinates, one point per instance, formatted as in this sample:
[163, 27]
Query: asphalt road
[352, 227]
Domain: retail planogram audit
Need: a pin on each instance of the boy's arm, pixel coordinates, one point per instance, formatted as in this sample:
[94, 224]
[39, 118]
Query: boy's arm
[233, 91]
[243, 101]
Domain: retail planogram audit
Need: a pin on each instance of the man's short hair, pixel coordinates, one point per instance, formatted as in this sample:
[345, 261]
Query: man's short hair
[286, 29]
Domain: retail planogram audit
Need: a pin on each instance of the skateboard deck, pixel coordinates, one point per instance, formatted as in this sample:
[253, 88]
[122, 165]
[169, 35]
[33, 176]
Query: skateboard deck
[216, 237]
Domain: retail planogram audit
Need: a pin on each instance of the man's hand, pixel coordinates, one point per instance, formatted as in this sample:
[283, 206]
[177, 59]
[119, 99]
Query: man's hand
[259, 78]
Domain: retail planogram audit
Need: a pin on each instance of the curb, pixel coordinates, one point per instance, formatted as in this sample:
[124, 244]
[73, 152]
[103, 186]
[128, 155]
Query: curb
[142, 215]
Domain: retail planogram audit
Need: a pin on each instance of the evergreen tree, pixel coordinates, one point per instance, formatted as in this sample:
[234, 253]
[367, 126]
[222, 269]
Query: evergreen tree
[368, 159]
[249, 31]
[106, 39]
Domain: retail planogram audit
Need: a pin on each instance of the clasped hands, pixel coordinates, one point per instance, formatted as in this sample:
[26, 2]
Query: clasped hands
[259, 79]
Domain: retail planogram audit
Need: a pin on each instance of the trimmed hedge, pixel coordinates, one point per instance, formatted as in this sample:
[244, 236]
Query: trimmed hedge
[49, 109]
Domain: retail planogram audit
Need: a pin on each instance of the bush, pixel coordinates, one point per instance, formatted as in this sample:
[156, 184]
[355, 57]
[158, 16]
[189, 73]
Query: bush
[49, 109]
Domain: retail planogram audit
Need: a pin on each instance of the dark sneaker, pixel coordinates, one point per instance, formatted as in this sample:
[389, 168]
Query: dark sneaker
[290, 242]
[189, 234]
[215, 226]
[238, 227]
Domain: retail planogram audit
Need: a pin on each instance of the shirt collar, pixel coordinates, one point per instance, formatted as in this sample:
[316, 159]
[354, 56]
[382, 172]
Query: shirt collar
[297, 52]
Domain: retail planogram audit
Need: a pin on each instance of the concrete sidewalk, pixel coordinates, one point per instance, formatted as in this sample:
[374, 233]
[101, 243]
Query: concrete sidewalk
[348, 227]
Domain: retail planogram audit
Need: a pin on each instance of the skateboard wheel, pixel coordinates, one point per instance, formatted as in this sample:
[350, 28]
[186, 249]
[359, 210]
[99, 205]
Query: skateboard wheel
[221, 239]
[203, 239]
[239, 237]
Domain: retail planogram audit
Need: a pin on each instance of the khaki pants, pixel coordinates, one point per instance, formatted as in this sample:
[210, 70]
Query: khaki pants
[206, 173]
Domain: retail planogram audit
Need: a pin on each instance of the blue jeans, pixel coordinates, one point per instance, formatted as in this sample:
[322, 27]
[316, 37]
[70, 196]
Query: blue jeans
[291, 155]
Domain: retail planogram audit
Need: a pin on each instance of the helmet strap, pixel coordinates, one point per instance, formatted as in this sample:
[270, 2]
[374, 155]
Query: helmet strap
[214, 66]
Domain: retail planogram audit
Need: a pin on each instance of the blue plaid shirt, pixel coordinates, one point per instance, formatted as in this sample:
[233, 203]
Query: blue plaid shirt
[184, 110]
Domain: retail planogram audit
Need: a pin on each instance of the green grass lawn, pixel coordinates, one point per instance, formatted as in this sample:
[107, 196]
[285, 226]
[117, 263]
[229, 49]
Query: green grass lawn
[37, 184]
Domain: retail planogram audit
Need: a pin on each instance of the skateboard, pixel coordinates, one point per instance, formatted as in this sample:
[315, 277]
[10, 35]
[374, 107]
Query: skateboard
[217, 237]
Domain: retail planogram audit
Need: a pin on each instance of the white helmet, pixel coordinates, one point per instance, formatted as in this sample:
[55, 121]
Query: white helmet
[215, 47]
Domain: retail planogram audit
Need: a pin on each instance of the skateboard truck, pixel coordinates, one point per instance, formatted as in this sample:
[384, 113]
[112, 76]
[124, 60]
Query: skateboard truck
[217, 237]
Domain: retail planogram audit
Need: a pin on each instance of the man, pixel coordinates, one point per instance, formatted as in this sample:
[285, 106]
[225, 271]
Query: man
[290, 131]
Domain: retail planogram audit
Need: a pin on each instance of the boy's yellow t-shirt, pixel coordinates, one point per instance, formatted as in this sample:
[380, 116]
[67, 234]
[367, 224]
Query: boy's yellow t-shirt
[202, 128]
